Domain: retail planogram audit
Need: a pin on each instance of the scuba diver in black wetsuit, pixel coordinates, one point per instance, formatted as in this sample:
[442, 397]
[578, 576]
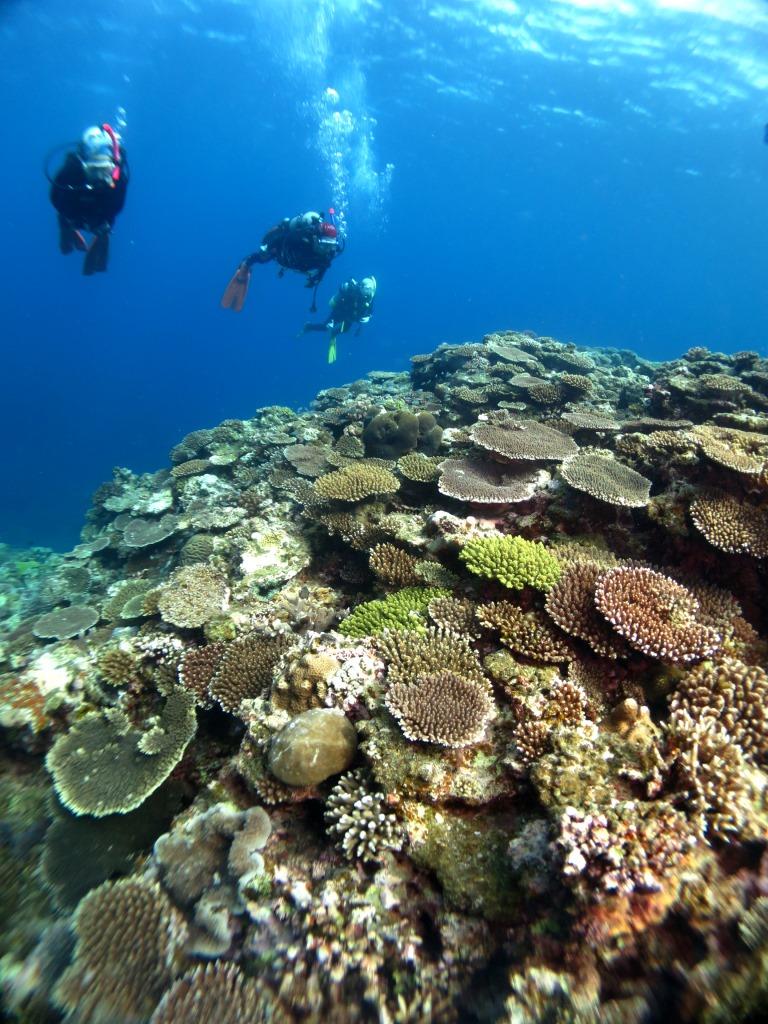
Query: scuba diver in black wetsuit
[88, 192]
[307, 243]
[352, 304]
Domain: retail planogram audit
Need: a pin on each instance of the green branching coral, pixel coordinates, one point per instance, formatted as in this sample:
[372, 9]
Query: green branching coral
[99, 766]
[404, 610]
[513, 561]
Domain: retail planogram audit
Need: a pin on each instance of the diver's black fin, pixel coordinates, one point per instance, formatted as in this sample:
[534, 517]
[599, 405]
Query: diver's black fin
[97, 257]
[70, 239]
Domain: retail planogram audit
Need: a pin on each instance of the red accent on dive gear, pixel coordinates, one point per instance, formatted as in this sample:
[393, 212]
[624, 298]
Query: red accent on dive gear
[115, 152]
[328, 230]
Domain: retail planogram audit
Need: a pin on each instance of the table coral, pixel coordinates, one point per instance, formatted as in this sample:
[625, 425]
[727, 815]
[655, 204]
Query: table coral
[731, 524]
[523, 439]
[443, 708]
[655, 615]
[99, 768]
[600, 475]
[482, 481]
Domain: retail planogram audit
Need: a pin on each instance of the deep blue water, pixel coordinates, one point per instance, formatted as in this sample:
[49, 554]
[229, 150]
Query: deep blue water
[589, 169]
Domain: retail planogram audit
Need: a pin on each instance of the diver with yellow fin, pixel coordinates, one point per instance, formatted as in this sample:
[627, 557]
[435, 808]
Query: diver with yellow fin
[88, 191]
[307, 243]
[352, 304]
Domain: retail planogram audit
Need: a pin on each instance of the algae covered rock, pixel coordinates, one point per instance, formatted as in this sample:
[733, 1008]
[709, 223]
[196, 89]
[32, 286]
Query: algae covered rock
[273, 555]
[469, 856]
[312, 747]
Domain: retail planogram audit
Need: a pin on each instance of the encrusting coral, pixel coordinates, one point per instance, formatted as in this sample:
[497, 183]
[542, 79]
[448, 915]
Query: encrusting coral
[506, 710]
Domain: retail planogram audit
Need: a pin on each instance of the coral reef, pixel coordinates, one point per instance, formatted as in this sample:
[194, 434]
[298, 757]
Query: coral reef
[441, 700]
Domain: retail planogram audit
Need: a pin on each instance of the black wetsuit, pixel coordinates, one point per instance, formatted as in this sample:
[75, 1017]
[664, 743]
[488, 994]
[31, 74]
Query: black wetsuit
[298, 245]
[90, 206]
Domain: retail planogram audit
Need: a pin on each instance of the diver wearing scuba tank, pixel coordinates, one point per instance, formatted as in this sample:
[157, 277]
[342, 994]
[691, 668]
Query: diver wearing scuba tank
[352, 304]
[88, 192]
[307, 244]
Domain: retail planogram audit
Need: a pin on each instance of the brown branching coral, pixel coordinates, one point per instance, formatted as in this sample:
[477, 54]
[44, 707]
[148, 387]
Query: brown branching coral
[409, 655]
[732, 525]
[246, 669]
[196, 670]
[575, 385]
[130, 941]
[444, 708]
[713, 774]
[484, 482]
[356, 815]
[118, 666]
[532, 739]
[454, 615]
[526, 633]
[355, 483]
[394, 565]
[545, 393]
[733, 694]
[599, 474]
[571, 603]
[567, 703]
[523, 439]
[214, 993]
[420, 468]
[655, 615]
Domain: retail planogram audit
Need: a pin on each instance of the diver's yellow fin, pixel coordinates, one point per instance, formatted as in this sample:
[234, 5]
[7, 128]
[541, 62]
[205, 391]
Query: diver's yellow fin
[332, 350]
